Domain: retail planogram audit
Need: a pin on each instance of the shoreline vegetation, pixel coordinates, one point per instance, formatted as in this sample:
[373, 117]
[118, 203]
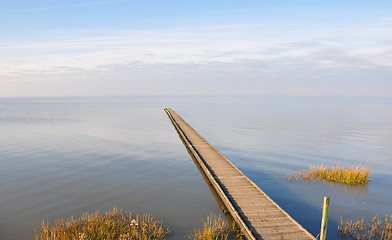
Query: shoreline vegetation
[114, 224]
[120, 225]
[336, 173]
[377, 228]
[216, 228]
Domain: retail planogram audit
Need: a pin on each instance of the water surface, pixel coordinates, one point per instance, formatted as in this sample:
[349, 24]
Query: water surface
[61, 157]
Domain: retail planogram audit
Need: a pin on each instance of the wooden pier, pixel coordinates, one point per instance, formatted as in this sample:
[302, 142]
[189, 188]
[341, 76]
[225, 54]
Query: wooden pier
[255, 213]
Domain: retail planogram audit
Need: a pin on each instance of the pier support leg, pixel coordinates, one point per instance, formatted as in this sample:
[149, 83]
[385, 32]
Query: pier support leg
[324, 221]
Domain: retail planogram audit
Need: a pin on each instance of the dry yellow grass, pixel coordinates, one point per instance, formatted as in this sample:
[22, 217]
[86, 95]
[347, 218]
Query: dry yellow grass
[375, 229]
[338, 173]
[215, 228]
[111, 225]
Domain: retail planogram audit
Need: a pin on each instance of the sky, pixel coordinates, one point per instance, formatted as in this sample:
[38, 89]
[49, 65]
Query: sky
[204, 47]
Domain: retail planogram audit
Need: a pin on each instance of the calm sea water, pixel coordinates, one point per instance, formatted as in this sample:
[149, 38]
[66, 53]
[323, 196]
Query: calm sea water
[61, 157]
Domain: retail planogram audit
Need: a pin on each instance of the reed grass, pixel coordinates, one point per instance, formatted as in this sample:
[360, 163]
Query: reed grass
[377, 229]
[338, 173]
[215, 228]
[113, 224]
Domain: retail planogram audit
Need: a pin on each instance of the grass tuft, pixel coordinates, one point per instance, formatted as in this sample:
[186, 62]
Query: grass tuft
[215, 228]
[113, 224]
[375, 229]
[338, 173]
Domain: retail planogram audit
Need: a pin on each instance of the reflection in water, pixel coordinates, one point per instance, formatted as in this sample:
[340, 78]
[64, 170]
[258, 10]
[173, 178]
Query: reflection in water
[349, 189]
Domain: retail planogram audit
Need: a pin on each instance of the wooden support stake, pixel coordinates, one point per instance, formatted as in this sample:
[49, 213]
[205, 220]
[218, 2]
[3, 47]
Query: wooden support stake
[324, 221]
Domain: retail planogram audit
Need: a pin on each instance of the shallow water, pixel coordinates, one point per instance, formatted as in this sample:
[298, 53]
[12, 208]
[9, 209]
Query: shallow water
[61, 157]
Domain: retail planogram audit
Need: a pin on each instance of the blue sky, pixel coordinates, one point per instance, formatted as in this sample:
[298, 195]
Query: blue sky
[155, 47]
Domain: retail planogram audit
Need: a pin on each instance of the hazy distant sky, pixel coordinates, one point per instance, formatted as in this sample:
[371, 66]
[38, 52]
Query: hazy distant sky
[201, 47]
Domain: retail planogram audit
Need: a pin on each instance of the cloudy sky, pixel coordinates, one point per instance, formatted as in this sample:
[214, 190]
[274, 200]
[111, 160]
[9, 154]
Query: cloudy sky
[203, 47]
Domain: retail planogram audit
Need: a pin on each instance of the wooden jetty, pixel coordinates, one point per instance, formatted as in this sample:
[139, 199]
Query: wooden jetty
[255, 213]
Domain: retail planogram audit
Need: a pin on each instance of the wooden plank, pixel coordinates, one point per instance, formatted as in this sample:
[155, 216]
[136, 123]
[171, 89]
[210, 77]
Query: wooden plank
[256, 214]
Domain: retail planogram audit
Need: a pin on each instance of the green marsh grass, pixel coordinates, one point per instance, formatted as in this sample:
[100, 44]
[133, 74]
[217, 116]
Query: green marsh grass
[338, 173]
[377, 229]
[113, 224]
[215, 228]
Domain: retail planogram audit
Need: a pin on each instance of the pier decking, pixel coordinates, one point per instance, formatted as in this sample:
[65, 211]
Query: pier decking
[255, 213]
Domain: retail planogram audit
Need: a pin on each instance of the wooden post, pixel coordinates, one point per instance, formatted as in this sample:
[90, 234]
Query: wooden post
[324, 220]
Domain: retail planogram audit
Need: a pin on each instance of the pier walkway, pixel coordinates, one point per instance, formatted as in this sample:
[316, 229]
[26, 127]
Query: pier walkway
[255, 213]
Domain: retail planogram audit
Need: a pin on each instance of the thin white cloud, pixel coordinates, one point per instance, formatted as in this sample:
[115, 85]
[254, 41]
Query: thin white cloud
[218, 27]
[307, 75]
[90, 53]
[88, 4]
[386, 41]
[217, 55]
